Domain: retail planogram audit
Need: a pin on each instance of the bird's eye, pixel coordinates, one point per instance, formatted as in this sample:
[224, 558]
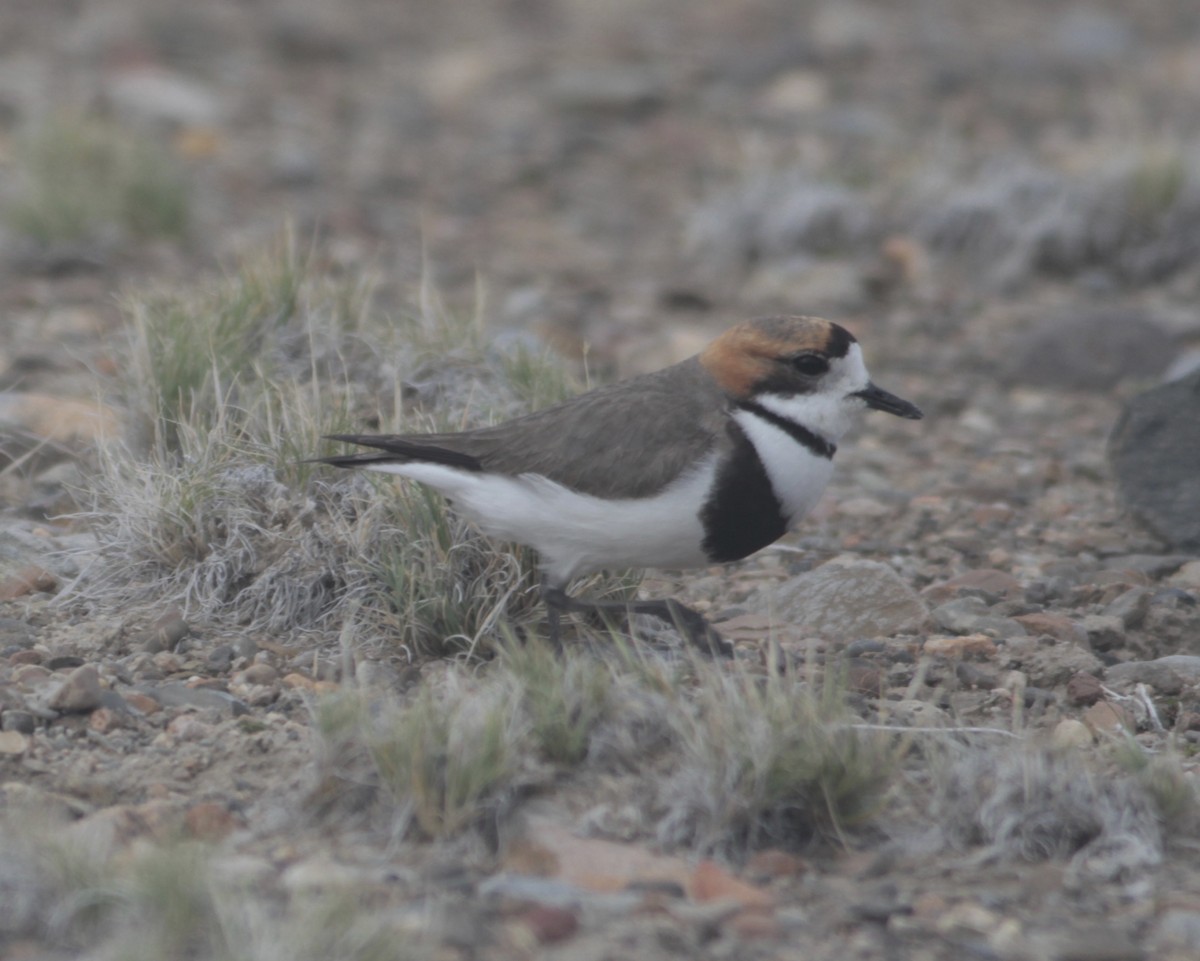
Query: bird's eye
[811, 365]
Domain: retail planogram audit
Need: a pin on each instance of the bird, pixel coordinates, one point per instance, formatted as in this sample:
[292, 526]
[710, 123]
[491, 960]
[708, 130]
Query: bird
[700, 463]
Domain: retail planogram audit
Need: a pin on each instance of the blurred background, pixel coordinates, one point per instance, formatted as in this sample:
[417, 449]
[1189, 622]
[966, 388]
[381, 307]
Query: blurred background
[629, 175]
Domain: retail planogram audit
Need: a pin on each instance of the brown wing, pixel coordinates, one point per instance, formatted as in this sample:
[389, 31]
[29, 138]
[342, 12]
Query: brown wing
[631, 439]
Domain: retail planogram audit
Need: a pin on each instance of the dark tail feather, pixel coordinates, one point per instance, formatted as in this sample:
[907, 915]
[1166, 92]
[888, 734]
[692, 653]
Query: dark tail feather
[399, 451]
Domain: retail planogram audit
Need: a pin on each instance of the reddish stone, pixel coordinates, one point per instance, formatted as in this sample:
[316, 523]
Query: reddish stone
[1057, 626]
[550, 924]
[1107, 718]
[977, 645]
[984, 579]
[104, 720]
[755, 923]
[1084, 689]
[209, 821]
[774, 863]
[711, 882]
[30, 580]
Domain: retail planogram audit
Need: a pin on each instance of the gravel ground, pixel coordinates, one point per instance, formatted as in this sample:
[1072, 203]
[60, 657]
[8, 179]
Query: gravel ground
[992, 200]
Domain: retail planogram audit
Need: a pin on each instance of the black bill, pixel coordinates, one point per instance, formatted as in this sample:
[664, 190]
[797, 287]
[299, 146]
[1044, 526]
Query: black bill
[879, 399]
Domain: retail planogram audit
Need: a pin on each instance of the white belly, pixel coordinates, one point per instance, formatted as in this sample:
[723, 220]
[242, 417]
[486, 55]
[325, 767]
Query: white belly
[578, 533]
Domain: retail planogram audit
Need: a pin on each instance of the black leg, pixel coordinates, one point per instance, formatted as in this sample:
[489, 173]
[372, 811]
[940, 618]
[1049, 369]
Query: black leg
[691, 624]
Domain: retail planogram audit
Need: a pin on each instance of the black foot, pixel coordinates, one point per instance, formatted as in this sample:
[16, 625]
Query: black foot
[691, 624]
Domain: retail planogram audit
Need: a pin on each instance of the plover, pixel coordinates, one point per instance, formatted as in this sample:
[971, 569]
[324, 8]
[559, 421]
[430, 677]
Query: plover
[700, 463]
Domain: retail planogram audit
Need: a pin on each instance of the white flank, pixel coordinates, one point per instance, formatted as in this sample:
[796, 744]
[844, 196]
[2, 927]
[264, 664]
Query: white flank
[577, 533]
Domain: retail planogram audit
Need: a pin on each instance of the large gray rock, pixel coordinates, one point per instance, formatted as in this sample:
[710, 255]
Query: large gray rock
[1155, 454]
[1090, 349]
[845, 599]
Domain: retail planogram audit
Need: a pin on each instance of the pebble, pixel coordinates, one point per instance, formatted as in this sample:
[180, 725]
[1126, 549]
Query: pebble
[550, 924]
[174, 694]
[152, 94]
[79, 693]
[20, 721]
[1130, 607]
[1084, 689]
[711, 882]
[994, 582]
[257, 674]
[1070, 734]
[1178, 929]
[1058, 626]
[846, 598]
[1187, 577]
[166, 632]
[1105, 632]
[973, 645]
[32, 579]
[971, 615]
[1106, 717]
[13, 743]
[1154, 566]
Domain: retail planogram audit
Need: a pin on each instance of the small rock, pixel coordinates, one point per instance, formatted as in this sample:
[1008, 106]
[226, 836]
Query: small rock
[1130, 607]
[1107, 718]
[13, 743]
[614, 90]
[1187, 577]
[772, 863]
[1084, 689]
[26, 657]
[914, 713]
[220, 658]
[991, 581]
[79, 693]
[1154, 566]
[970, 615]
[150, 94]
[847, 598]
[31, 580]
[168, 662]
[550, 924]
[104, 720]
[209, 821]
[180, 695]
[1049, 665]
[863, 507]
[31, 675]
[23, 722]
[1058, 626]
[258, 674]
[1178, 930]
[1104, 632]
[1155, 454]
[188, 727]
[755, 924]
[711, 882]
[551, 892]
[1070, 734]
[142, 703]
[974, 645]
[166, 632]
[60, 661]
